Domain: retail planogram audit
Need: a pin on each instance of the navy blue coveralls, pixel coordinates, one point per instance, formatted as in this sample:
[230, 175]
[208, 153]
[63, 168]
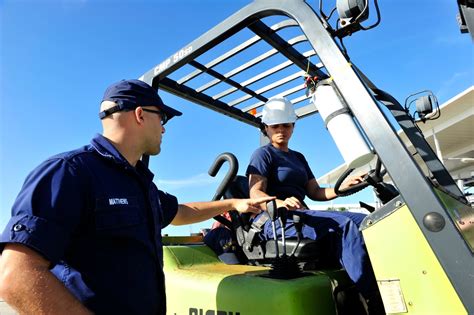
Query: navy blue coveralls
[98, 220]
[287, 174]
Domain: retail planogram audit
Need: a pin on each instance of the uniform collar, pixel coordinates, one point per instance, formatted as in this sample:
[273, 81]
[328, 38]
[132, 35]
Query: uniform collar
[106, 149]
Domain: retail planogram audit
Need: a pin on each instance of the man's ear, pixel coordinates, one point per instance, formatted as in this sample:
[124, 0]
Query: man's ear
[138, 114]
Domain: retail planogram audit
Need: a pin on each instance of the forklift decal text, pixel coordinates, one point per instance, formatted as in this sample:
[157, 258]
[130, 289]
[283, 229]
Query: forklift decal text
[200, 311]
[175, 58]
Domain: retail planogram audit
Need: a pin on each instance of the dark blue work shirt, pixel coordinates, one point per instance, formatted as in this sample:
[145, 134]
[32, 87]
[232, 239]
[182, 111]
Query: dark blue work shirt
[287, 173]
[98, 220]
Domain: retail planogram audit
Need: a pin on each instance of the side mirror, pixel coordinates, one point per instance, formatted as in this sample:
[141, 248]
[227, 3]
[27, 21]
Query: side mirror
[352, 10]
[424, 106]
[426, 103]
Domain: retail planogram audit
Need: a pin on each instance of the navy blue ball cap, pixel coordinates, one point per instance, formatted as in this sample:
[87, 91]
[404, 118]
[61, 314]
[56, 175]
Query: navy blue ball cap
[220, 241]
[129, 94]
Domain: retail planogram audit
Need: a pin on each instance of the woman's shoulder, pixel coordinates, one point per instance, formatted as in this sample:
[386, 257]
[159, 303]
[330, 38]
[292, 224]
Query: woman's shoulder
[264, 151]
[298, 154]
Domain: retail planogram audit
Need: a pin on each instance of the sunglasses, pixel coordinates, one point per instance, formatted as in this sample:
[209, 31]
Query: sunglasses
[163, 116]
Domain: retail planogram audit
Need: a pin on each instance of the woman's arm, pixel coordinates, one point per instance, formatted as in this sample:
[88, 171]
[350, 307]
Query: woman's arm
[258, 188]
[315, 192]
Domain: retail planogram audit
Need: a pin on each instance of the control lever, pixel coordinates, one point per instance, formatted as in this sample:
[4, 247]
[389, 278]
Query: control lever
[283, 216]
[273, 213]
[299, 231]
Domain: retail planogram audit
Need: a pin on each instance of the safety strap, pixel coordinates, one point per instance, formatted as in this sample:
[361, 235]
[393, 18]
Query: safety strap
[109, 111]
[255, 228]
[222, 220]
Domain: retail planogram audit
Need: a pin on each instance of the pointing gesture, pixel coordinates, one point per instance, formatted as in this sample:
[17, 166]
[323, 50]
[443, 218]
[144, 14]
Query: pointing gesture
[251, 205]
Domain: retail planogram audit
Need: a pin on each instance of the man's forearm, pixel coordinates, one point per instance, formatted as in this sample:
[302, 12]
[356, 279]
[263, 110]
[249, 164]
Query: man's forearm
[193, 212]
[39, 292]
[33, 289]
[199, 211]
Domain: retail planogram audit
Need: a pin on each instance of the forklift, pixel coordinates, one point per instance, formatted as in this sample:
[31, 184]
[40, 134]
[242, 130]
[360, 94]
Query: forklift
[420, 241]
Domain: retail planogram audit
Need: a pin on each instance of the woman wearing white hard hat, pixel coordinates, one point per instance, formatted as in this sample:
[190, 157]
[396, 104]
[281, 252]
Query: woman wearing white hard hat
[279, 117]
[276, 170]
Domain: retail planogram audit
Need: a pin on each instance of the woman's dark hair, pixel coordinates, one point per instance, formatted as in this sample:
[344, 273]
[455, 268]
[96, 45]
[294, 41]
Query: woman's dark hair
[262, 129]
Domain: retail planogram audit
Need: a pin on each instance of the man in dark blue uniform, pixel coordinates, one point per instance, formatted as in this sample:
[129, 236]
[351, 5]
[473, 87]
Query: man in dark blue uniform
[85, 231]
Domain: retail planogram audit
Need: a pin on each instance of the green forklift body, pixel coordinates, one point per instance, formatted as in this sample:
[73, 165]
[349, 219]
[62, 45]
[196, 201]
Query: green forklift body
[197, 282]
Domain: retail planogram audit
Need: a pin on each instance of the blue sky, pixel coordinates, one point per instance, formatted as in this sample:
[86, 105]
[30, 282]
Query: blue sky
[58, 56]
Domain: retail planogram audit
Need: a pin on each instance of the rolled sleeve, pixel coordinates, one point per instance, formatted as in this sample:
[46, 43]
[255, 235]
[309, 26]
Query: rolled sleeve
[36, 233]
[47, 210]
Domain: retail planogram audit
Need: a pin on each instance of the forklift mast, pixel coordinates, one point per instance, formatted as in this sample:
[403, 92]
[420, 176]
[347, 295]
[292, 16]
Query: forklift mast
[297, 42]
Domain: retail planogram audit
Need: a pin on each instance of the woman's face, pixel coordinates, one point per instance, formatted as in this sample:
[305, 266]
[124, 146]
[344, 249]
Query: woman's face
[280, 134]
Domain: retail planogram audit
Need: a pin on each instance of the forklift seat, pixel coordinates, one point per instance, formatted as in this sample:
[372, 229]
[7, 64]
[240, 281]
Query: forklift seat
[261, 251]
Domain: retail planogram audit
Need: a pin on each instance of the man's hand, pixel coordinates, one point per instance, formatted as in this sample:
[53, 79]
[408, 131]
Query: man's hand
[250, 205]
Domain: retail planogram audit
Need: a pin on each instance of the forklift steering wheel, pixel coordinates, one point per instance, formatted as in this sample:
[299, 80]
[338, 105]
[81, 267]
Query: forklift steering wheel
[372, 178]
[352, 189]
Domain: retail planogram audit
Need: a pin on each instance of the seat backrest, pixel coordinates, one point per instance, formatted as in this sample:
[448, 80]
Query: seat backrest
[239, 188]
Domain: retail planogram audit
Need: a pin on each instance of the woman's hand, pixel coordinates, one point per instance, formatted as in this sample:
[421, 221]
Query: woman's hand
[291, 203]
[354, 180]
